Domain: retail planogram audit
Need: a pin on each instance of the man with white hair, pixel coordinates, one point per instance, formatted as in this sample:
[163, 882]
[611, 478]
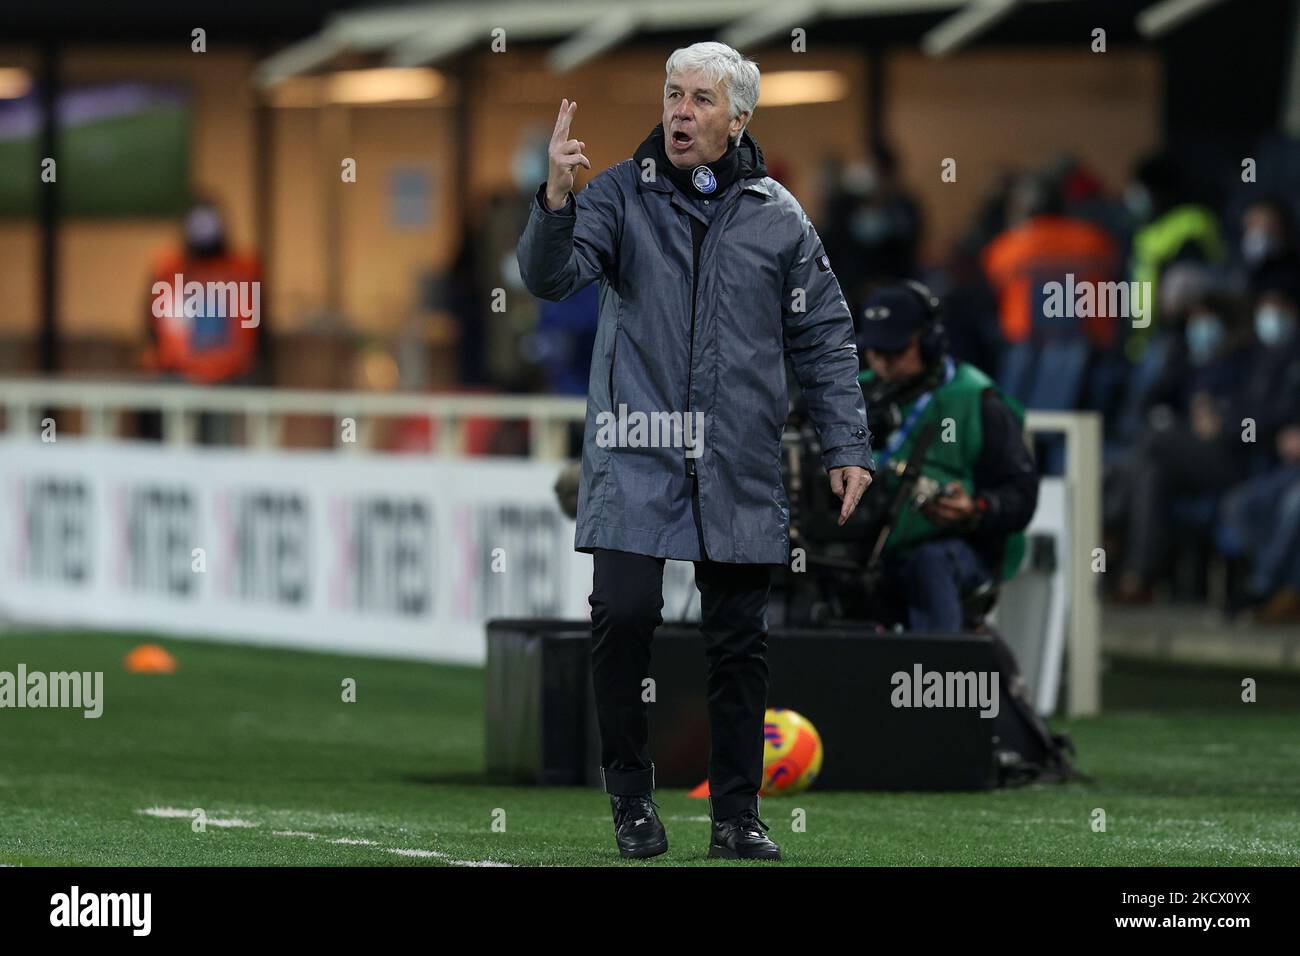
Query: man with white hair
[710, 275]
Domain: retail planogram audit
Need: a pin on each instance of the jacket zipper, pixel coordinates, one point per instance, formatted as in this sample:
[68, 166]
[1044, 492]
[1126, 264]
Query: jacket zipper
[690, 356]
[695, 279]
[613, 354]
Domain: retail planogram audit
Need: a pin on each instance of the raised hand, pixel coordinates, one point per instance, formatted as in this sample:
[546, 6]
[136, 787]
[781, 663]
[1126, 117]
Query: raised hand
[565, 156]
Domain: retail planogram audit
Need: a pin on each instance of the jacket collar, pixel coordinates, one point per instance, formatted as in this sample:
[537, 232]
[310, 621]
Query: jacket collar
[753, 171]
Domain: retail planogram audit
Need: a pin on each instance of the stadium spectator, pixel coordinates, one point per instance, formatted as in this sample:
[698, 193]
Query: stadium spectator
[1268, 238]
[1273, 398]
[1260, 525]
[464, 297]
[1260, 521]
[872, 222]
[1192, 443]
[208, 338]
[1283, 605]
[1170, 228]
[1041, 245]
[191, 344]
[1085, 197]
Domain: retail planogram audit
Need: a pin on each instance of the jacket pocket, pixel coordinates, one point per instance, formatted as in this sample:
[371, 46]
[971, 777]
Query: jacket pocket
[613, 354]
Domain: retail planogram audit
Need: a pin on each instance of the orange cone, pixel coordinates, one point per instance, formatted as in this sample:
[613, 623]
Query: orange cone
[701, 791]
[150, 659]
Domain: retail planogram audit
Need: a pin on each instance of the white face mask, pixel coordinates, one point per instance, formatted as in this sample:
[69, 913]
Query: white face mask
[859, 180]
[528, 167]
[1138, 200]
[869, 225]
[1204, 335]
[1273, 326]
[1257, 245]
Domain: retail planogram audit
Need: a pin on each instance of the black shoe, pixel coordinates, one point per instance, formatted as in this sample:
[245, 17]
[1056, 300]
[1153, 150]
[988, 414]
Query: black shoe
[636, 826]
[742, 838]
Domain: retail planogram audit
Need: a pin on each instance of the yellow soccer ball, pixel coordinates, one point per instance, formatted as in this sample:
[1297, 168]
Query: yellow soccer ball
[792, 752]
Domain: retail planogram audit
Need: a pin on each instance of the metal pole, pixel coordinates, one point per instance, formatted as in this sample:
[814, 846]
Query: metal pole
[47, 343]
[1084, 450]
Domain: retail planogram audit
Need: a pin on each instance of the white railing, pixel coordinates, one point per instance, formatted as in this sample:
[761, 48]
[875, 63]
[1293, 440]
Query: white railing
[264, 409]
[1082, 431]
[102, 404]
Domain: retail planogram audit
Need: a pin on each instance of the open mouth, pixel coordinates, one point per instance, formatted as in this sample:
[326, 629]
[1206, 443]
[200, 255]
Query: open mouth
[682, 140]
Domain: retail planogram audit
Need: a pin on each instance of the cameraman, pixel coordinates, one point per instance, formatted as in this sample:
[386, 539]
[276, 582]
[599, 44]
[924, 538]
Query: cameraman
[985, 483]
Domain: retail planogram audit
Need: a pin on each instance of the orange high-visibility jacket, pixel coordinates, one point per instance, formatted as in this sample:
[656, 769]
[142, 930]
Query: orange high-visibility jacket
[1022, 260]
[217, 341]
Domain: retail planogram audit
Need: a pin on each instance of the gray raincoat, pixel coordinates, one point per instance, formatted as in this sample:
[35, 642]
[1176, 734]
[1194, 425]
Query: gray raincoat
[683, 346]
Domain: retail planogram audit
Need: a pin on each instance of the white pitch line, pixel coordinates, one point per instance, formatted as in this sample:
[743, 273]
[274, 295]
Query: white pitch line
[177, 812]
[399, 851]
[443, 856]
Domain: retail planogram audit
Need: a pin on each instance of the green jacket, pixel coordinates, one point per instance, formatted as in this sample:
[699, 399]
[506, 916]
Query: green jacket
[954, 408]
[1156, 245]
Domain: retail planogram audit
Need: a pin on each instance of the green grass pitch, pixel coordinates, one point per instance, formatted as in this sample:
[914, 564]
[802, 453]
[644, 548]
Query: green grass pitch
[289, 774]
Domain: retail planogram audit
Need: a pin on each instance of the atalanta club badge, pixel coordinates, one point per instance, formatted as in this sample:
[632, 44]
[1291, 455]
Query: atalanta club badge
[704, 179]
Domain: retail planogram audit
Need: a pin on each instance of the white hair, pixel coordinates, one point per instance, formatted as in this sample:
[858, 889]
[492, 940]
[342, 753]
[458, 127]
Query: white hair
[720, 64]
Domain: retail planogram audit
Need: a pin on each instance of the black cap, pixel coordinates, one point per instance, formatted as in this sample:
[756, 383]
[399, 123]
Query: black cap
[890, 318]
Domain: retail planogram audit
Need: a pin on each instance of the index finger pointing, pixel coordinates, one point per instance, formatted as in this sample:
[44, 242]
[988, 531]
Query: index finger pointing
[848, 503]
[862, 483]
[567, 109]
[852, 496]
[559, 118]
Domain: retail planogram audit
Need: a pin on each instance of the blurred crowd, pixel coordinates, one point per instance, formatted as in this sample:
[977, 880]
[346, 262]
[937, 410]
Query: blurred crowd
[1196, 377]
[1196, 374]
[1200, 396]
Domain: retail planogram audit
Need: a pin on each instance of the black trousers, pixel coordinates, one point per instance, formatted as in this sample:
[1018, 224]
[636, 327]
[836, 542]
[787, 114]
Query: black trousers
[626, 606]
